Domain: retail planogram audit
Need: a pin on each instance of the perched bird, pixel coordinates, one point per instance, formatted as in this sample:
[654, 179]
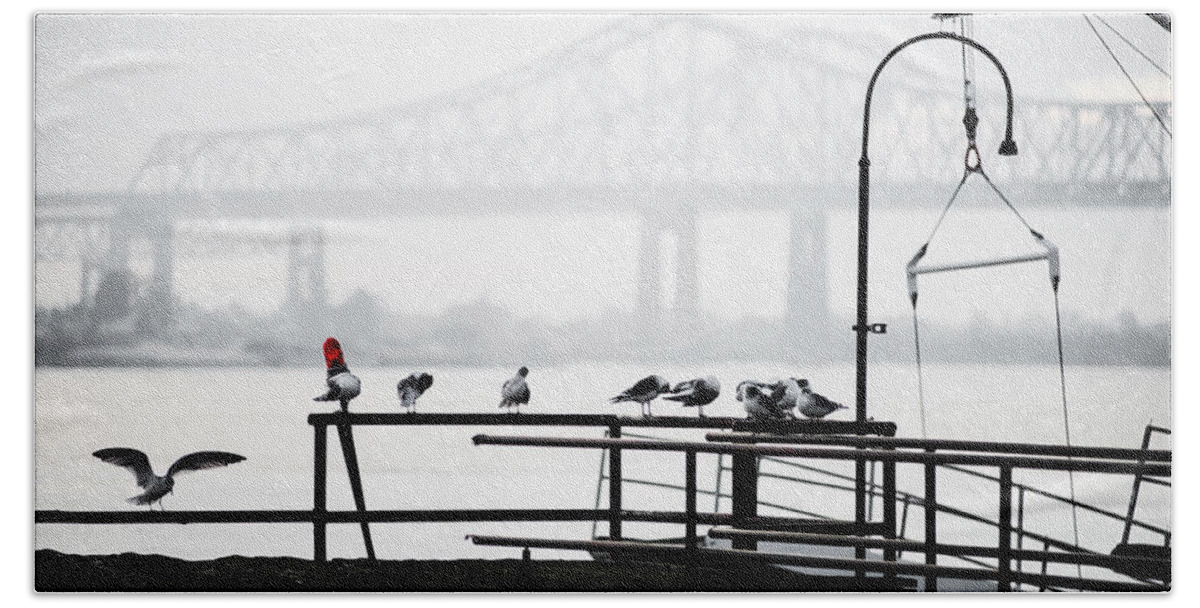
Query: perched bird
[786, 395]
[157, 487]
[696, 393]
[756, 398]
[813, 405]
[412, 387]
[644, 392]
[515, 391]
[343, 385]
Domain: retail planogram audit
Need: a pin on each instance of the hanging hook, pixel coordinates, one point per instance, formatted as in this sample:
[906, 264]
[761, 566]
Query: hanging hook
[972, 151]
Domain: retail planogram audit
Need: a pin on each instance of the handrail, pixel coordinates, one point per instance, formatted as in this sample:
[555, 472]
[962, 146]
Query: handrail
[1019, 462]
[832, 563]
[1103, 560]
[603, 420]
[1131, 454]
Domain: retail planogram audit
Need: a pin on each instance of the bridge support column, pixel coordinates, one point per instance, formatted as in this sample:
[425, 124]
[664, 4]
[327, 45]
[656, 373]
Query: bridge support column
[687, 272]
[649, 304]
[681, 222]
[807, 290]
[159, 311]
[306, 272]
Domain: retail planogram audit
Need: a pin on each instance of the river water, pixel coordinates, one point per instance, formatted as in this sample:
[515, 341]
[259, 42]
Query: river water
[260, 413]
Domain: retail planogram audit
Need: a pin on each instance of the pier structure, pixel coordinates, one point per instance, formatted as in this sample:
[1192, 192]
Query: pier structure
[1012, 565]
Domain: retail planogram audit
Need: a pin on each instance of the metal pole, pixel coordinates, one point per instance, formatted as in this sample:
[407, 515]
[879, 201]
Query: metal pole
[930, 522]
[614, 485]
[1004, 521]
[319, 447]
[745, 494]
[889, 510]
[346, 434]
[690, 498]
[1137, 486]
[1020, 525]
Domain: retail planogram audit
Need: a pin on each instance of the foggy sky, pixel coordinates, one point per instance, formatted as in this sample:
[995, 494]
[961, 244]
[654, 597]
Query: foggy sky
[108, 86]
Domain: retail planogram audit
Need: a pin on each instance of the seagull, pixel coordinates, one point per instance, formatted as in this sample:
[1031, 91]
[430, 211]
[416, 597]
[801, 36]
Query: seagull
[696, 393]
[157, 487]
[813, 405]
[786, 395]
[412, 387]
[644, 392]
[756, 397]
[343, 385]
[515, 391]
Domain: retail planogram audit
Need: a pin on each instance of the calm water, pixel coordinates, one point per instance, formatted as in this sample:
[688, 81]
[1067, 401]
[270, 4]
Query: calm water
[260, 413]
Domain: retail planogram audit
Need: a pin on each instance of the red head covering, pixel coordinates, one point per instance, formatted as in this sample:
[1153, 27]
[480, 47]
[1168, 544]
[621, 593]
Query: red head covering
[333, 354]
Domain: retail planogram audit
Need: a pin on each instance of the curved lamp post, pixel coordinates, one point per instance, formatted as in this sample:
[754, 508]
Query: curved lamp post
[1007, 148]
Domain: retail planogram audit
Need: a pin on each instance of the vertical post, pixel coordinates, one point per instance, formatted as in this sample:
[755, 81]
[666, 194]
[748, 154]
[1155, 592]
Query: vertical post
[1020, 524]
[930, 522]
[871, 491]
[614, 485]
[860, 508]
[745, 494]
[319, 446]
[889, 512]
[1004, 545]
[351, 456]
[860, 328]
[1137, 486]
[690, 501]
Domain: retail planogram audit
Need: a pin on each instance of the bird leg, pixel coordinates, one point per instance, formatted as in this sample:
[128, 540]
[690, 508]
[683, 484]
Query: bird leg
[701, 408]
[345, 406]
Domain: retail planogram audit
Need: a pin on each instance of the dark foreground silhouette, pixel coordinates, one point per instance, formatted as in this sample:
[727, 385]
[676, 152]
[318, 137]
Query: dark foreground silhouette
[55, 571]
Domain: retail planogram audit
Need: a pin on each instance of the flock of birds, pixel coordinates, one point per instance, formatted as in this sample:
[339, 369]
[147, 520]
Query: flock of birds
[777, 400]
[762, 401]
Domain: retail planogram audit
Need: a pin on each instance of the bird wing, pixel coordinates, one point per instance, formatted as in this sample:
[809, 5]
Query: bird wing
[424, 382]
[332, 394]
[131, 459]
[198, 461]
[645, 386]
[827, 404]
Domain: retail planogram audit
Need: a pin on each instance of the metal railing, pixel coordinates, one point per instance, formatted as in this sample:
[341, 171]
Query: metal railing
[1005, 457]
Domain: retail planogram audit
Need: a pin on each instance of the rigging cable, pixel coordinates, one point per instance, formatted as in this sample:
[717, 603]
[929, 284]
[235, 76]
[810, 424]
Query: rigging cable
[1128, 77]
[1133, 46]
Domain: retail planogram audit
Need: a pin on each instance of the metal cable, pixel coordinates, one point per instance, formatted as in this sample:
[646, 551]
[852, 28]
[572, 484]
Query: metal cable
[1062, 377]
[1133, 46]
[1127, 76]
[920, 372]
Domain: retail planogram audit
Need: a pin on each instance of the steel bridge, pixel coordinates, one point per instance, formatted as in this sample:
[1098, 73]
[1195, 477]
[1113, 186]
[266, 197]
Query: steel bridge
[663, 118]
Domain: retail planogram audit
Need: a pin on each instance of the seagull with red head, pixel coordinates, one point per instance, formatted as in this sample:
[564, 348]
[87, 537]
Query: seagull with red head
[343, 385]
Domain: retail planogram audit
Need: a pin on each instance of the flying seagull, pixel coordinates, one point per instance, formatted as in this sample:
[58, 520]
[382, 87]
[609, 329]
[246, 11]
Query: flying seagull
[343, 385]
[515, 391]
[644, 392]
[813, 405]
[756, 398]
[157, 487]
[696, 393]
[412, 387]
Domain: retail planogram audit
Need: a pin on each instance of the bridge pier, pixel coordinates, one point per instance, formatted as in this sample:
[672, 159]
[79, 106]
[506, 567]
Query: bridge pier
[807, 316]
[681, 222]
[306, 293]
[159, 309]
